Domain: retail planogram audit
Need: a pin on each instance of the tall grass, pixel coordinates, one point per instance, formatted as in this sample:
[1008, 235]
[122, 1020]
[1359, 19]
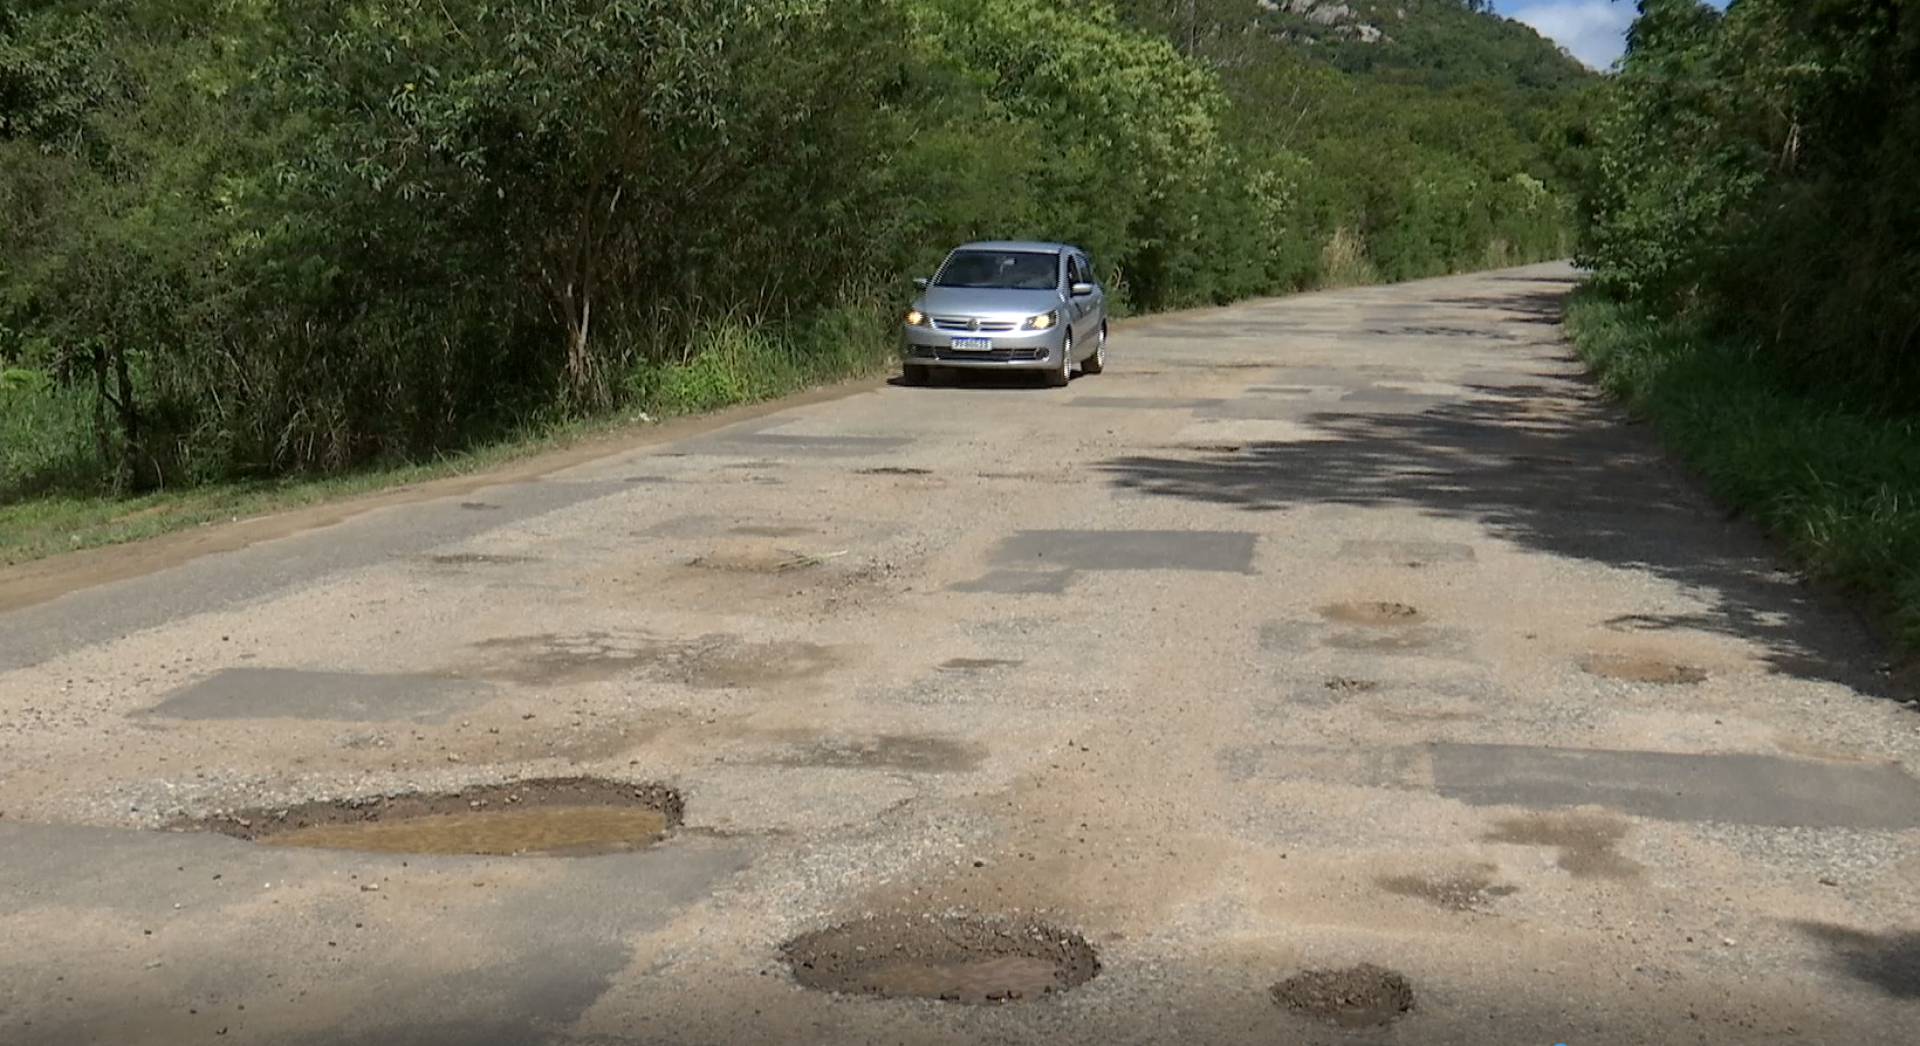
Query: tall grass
[730, 360]
[1344, 261]
[1839, 487]
[46, 438]
[56, 488]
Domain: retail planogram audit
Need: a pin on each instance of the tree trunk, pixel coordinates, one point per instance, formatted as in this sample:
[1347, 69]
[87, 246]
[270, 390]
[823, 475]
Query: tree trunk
[130, 447]
[102, 438]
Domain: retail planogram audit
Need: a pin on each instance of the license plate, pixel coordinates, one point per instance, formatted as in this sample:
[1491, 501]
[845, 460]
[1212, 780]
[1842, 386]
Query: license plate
[973, 344]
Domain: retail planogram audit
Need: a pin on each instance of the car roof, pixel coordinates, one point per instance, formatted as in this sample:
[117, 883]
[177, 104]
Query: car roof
[1018, 245]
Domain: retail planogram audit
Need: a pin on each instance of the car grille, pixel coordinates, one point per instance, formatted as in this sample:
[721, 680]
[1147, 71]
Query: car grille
[995, 355]
[962, 323]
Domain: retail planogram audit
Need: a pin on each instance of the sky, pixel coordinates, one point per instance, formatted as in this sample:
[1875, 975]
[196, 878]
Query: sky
[1595, 31]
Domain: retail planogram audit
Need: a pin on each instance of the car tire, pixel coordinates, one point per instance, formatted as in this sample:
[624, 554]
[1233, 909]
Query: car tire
[1097, 362]
[916, 374]
[1059, 378]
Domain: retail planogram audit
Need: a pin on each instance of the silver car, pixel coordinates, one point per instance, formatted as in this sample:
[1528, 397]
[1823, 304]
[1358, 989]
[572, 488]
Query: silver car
[1008, 306]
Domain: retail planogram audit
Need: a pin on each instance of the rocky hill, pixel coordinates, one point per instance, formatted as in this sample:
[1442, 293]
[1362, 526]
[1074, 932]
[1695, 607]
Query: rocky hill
[1435, 42]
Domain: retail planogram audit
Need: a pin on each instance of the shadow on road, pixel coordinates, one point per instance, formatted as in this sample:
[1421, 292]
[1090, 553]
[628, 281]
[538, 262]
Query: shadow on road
[980, 380]
[1548, 466]
[1888, 961]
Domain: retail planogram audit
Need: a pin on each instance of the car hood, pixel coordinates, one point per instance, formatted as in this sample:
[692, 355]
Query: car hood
[972, 301]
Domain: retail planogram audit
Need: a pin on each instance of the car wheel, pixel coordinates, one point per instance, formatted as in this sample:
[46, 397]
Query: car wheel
[1059, 377]
[915, 374]
[1097, 362]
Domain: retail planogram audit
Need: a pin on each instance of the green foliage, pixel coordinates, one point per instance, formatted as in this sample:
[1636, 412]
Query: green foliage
[251, 239]
[1758, 167]
[1840, 488]
[1434, 159]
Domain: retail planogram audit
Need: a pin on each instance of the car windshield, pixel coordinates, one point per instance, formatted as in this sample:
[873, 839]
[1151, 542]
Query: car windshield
[1002, 270]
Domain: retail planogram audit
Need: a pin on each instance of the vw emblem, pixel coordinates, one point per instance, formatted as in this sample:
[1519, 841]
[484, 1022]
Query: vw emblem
[973, 325]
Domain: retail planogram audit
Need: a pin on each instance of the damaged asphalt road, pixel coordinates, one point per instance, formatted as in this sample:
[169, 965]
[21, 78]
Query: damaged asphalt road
[1333, 669]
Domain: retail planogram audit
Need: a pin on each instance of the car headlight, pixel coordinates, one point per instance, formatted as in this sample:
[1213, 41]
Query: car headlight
[1040, 323]
[916, 318]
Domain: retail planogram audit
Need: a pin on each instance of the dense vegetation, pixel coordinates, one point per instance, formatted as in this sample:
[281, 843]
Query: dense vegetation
[1759, 167]
[1751, 216]
[255, 238]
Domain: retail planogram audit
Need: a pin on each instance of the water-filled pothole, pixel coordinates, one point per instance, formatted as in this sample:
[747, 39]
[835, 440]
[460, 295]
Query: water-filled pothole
[1374, 613]
[1642, 670]
[571, 817]
[1363, 996]
[975, 960]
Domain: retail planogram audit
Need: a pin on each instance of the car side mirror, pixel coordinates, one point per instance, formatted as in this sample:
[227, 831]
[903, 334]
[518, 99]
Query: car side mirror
[920, 282]
[1081, 290]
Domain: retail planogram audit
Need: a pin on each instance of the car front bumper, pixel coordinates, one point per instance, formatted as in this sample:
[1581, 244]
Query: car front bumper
[1017, 350]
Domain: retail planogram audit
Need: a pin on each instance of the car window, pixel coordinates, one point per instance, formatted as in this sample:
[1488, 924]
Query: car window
[1001, 270]
[1074, 275]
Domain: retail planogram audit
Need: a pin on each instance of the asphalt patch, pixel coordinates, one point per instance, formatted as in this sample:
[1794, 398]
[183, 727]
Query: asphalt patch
[1414, 640]
[1363, 996]
[717, 662]
[569, 817]
[1219, 551]
[974, 960]
[1736, 788]
[556, 659]
[896, 470]
[292, 693]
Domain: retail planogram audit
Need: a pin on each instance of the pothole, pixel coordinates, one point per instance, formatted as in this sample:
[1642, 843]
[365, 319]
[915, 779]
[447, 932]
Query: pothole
[892, 751]
[478, 559]
[978, 664]
[761, 560]
[975, 960]
[1363, 996]
[772, 530]
[1372, 613]
[1465, 890]
[569, 817]
[1633, 669]
[1344, 685]
[1587, 843]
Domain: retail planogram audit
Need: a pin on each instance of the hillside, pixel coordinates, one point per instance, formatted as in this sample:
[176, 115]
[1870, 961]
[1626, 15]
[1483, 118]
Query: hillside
[1433, 43]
